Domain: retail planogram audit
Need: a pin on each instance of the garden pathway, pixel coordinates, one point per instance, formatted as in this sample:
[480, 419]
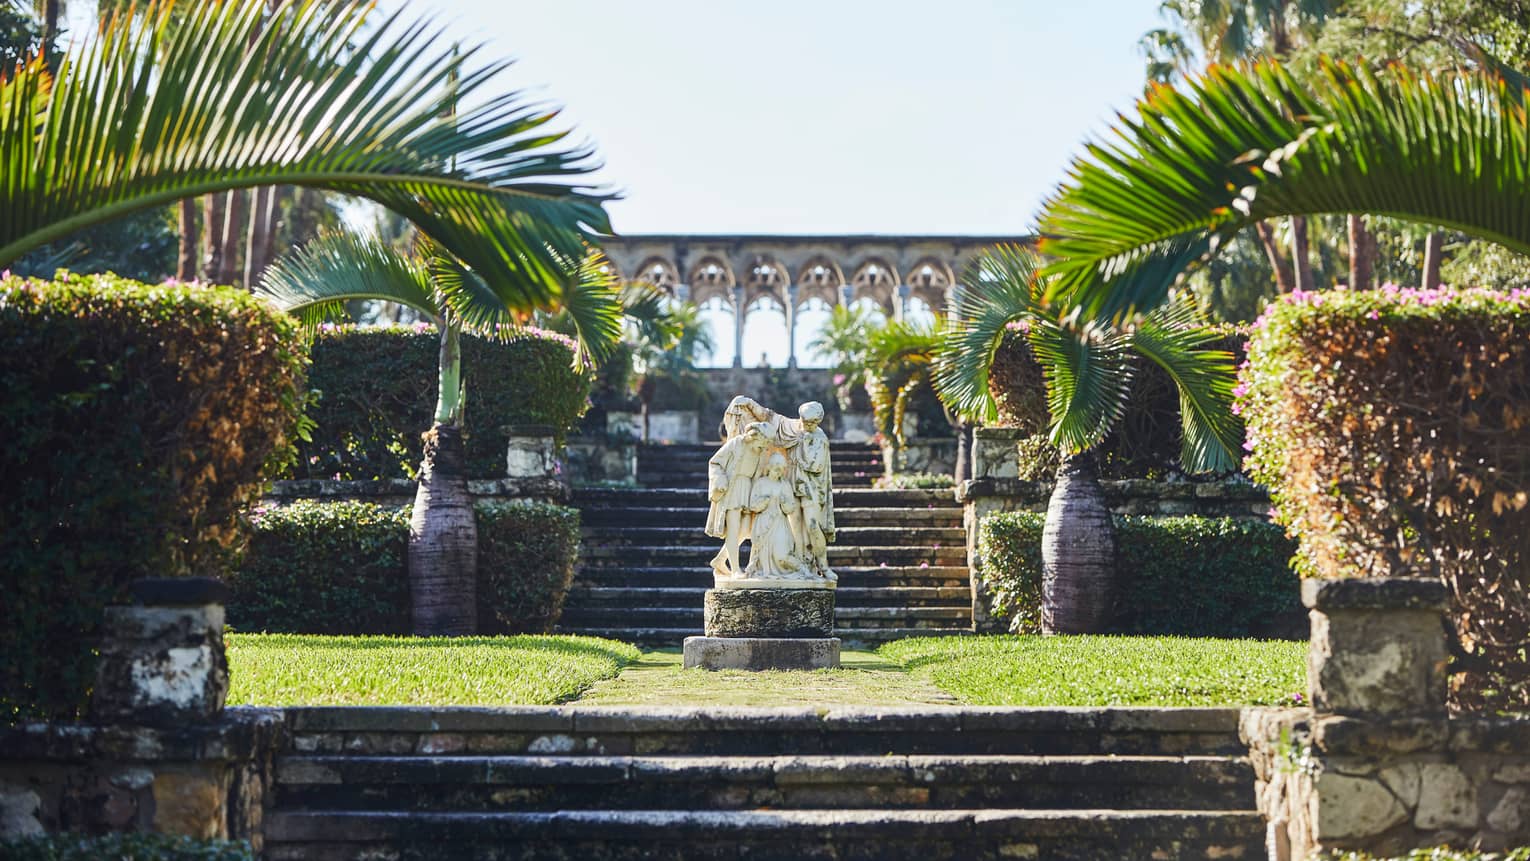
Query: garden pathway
[865, 679]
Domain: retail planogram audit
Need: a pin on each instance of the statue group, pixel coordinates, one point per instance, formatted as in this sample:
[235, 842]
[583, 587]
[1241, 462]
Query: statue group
[769, 484]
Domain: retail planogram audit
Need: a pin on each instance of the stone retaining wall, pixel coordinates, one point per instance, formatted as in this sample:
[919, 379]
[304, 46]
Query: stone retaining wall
[400, 491]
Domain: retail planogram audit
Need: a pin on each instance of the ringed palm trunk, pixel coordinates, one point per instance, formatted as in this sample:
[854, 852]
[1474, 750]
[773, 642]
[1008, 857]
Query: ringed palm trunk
[443, 540]
[1078, 552]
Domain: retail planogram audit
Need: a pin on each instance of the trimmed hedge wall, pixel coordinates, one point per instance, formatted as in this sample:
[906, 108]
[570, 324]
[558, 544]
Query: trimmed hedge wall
[1393, 430]
[374, 390]
[123, 847]
[139, 422]
[341, 568]
[1192, 576]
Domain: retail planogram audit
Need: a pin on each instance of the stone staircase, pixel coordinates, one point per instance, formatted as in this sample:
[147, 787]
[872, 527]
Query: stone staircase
[900, 555]
[609, 783]
[684, 465]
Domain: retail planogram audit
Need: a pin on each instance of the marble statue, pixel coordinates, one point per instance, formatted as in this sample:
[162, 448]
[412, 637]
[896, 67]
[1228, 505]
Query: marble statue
[769, 484]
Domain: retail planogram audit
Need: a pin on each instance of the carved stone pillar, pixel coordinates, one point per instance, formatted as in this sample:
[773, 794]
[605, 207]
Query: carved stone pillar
[845, 294]
[791, 326]
[738, 327]
[900, 300]
[683, 292]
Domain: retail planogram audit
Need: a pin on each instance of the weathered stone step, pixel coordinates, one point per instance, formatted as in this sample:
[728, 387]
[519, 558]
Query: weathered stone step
[677, 616]
[934, 576]
[693, 516]
[671, 835]
[884, 536]
[854, 497]
[692, 596]
[847, 731]
[672, 636]
[467, 782]
[597, 554]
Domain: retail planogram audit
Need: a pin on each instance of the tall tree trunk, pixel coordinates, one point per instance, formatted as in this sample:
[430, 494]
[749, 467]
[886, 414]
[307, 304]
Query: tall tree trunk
[963, 453]
[443, 541]
[1078, 552]
[50, 25]
[213, 218]
[1299, 255]
[1285, 279]
[186, 258]
[1434, 247]
[1362, 253]
[258, 241]
[233, 233]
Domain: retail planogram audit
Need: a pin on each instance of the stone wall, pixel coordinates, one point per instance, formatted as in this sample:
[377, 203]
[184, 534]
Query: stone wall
[1375, 763]
[932, 455]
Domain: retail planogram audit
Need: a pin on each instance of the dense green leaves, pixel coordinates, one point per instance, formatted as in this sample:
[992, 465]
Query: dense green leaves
[123, 847]
[312, 93]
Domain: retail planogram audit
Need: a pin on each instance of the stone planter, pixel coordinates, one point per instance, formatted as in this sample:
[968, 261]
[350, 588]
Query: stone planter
[162, 659]
[994, 453]
[531, 452]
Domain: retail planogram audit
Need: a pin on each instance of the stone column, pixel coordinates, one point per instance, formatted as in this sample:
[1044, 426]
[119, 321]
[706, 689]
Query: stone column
[1378, 646]
[791, 326]
[846, 294]
[683, 292]
[162, 659]
[900, 296]
[738, 327]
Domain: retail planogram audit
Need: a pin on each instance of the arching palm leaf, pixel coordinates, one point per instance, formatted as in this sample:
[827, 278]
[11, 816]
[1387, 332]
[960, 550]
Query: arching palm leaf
[315, 282]
[1000, 288]
[236, 96]
[1239, 146]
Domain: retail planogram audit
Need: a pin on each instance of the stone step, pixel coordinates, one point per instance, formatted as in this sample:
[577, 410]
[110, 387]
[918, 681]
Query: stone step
[697, 497]
[677, 616]
[689, 516]
[884, 536]
[476, 782]
[700, 576]
[701, 731]
[671, 835]
[595, 555]
[692, 596]
[673, 637]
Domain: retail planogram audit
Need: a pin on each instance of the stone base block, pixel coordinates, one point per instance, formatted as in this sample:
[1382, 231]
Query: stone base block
[769, 613]
[761, 653]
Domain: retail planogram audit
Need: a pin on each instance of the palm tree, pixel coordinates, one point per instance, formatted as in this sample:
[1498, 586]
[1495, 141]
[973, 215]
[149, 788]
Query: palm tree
[237, 96]
[1239, 146]
[844, 340]
[318, 280]
[1088, 376]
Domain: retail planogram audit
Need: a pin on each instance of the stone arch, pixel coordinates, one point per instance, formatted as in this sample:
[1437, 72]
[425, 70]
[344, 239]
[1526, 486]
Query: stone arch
[712, 276]
[819, 278]
[766, 277]
[660, 273]
[930, 281]
[875, 279]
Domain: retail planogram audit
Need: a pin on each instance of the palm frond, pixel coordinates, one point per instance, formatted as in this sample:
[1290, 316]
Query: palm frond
[316, 281]
[1175, 337]
[237, 96]
[1088, 376]
[1236, 146]
[592, 299]
[1000, 288]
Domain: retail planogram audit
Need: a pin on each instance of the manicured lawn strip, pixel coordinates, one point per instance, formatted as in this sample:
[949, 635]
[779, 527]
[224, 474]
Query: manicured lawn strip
[1104, 671]
[290, 669]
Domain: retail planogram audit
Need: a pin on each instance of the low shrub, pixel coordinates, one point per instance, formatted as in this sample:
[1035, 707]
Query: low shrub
[1194, 576]
[123, 847]
[324, 568]
[1393, 430]
[526, 557]
[374, 391]
[342, 568]
[139, 423]
[915, 481]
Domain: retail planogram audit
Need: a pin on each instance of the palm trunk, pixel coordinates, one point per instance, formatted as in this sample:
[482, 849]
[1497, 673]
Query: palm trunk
[186, 258]
[1285, 280]
[232, 232]
[1362, 251]
[443, 541]
[1434, 247]
[258, 241]
[1078, 553]
[1299, 256]
[212, 231]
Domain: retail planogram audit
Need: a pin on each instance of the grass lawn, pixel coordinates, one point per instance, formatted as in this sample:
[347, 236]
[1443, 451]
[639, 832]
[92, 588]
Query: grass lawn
[1100, 671]
[288, 669]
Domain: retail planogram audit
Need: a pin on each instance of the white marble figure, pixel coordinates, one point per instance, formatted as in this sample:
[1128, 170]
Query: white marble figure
[754, 436]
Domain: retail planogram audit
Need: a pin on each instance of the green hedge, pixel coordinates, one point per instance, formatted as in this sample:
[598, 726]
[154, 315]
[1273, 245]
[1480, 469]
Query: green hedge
[123, 847]
[139, 423]
[341, 568]
[1392, 427]
[1192, 576]
[374, 390]
[324, 568]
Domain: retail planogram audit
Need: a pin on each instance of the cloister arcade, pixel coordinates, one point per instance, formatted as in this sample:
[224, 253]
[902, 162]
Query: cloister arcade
[798, 277]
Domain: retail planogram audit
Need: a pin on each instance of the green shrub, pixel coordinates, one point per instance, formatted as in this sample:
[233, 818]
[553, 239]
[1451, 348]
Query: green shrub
[526, 557]
[375, 390]
[123, 847]
[1393, 430]
[324, 568]
[1193, 576]
[915, 481]
[139, 422]
[342, 568]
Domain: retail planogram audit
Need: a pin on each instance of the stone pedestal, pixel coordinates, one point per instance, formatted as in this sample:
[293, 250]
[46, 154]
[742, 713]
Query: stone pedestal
[766, 629]
[162, 660]
[1377, 646]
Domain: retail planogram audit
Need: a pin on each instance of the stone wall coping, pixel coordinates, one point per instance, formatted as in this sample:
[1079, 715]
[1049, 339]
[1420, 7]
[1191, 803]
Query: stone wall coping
[1375, 593]
[643, 719]
[1131, 488]
[533, 430]
[178, 591]
[235, 737]
[288, 490]
[1344, 735]
[1015, 434]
